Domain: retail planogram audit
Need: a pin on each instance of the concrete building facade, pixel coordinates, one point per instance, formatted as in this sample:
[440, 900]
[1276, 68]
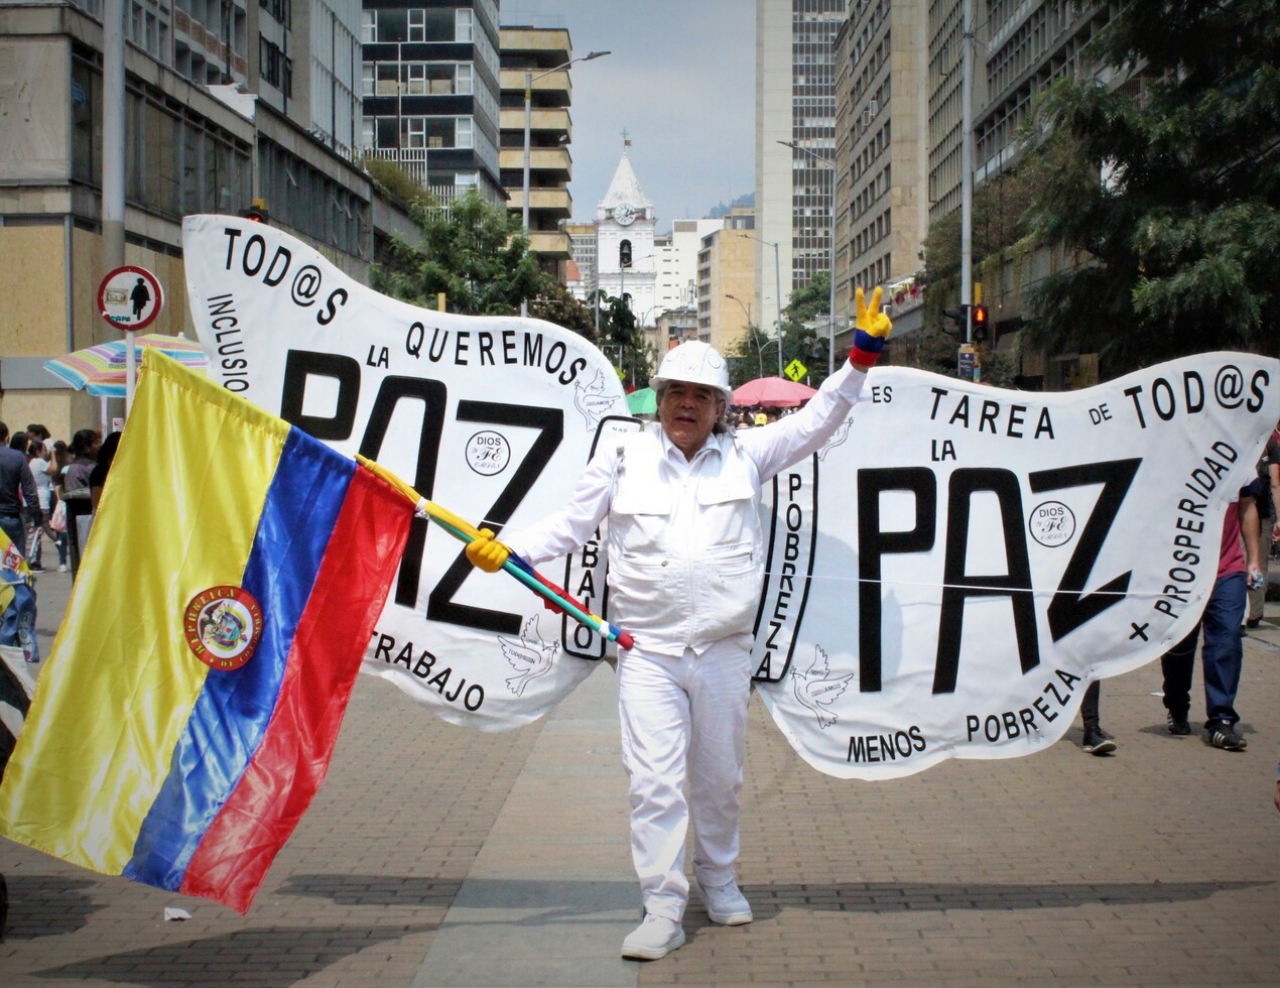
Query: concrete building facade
[536, 53]
[726, 286]
[795, 102]
[430, 85]
[882, 215]
[189, 148]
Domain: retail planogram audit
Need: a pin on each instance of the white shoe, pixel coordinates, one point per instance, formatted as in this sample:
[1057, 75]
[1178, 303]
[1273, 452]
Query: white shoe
[62, 567]
[726, 904]
[653, 939]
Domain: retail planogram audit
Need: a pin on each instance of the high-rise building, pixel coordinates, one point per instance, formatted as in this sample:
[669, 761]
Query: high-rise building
[534, 55]
[795, 103]
[726, 286]
[882, 213]
[429, 79]
[307, 65]
[195, 138]
[582, 244]
[678, 261]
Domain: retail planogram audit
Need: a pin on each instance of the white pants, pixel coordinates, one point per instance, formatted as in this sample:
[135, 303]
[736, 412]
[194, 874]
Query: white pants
[684, 717]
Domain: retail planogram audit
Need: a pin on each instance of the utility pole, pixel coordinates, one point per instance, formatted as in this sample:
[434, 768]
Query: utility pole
[966, 172]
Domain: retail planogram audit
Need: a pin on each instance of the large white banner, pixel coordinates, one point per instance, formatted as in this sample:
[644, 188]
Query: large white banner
[951, 571]
[492, 418]
[944, 577]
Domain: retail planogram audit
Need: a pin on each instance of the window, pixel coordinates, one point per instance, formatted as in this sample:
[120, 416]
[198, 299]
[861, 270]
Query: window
[417, 25]
[414, 132]
[274, 66]
[387, 79]
[280, 10]
[367, 74]
[367, 138]
[393, 25]
[368, 27]
[463, 133]
[466, 79]
[440, 25]
[465, 25]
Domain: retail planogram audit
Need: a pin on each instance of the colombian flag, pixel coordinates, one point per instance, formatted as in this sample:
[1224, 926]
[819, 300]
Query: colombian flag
[189, 709]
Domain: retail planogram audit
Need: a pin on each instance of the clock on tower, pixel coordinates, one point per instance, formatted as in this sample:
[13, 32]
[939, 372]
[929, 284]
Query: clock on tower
[624, 214]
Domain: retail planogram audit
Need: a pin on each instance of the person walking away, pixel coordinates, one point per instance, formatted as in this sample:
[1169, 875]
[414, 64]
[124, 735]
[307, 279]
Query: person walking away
[1266, 491]
[98, 475]
[39, 461]
[1223, 653]
[1096, 741]
[84, 452]
[58, 471]
[686, 563]
[17, 488]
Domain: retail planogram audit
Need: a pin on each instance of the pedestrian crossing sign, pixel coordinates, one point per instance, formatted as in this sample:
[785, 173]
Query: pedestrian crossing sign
[796, 370]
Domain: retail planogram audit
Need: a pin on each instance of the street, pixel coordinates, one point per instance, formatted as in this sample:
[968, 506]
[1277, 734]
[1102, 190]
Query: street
[462, 858]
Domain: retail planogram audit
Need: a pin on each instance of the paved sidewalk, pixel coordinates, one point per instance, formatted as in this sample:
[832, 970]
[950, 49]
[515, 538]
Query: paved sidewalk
[436, 855]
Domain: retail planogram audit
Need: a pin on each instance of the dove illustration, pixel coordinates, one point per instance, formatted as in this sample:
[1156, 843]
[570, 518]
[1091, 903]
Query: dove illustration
[837, 437]
[530, 657]
[818, 689]
[591, 400]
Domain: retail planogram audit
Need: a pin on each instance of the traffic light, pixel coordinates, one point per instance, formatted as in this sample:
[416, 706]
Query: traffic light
[257, 212]
[980, 325]
[957, 315]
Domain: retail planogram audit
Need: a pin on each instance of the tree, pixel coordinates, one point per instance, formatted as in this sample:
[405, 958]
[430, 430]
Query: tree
[1162, 195]
[477, 254]
[623, 342]
[753, 354]
[999, 228]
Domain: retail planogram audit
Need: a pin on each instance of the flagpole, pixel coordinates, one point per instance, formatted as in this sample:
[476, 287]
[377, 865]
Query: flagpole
[464, 531]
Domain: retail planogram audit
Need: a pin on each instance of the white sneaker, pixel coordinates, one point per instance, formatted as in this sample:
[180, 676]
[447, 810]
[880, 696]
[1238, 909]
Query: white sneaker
[726, 904]
[653, 939]
[62, 567]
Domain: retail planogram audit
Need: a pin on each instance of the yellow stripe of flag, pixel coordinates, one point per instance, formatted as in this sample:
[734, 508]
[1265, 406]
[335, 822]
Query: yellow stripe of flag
[177, 516]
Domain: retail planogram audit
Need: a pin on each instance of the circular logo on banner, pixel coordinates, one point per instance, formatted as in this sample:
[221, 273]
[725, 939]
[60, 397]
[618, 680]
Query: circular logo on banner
[222, 626]
[1052, 524]
[488, 453]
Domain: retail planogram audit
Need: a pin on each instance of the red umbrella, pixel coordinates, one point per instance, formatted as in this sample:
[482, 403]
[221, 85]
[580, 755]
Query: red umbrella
[773, 392]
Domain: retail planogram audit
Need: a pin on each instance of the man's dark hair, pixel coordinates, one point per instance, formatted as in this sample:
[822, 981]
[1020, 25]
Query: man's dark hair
[4, 433]
[82, 440]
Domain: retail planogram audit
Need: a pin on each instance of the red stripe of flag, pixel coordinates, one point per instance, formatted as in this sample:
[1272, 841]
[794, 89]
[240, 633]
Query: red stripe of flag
[324, 660]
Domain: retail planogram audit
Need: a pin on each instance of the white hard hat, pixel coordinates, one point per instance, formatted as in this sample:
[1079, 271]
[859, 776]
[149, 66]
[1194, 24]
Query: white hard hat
[697, 363]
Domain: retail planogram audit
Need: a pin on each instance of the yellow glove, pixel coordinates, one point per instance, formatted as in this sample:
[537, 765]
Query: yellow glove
[873, 328]
[486, 553]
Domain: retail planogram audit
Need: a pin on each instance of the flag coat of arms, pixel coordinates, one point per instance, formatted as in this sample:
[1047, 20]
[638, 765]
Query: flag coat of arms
[195, 689]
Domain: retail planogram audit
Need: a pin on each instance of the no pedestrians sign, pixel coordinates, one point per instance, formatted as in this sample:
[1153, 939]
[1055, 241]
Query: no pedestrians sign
[130, 297]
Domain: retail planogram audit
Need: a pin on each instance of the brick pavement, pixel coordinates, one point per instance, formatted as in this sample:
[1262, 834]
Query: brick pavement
[438, 855]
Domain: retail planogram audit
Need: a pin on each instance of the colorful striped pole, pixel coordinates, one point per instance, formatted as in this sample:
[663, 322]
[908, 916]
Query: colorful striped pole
[464, 531]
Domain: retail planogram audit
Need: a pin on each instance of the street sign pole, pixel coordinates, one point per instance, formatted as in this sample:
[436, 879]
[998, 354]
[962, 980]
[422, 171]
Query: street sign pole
[130, 298]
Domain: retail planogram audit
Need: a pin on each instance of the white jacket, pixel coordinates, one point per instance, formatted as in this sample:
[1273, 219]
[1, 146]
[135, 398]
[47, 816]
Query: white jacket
[685, 543]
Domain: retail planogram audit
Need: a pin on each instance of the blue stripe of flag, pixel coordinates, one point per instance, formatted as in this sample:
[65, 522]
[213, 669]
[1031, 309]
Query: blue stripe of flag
[231, 715]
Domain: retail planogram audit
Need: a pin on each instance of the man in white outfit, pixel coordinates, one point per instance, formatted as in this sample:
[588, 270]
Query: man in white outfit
[686, 561]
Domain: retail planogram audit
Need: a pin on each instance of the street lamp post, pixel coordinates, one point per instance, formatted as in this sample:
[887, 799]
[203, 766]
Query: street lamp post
[746, 309]
[529, 80]
[831, 303]
[777, 283]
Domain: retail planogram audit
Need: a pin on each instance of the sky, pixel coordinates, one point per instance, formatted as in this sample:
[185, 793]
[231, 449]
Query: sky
[681, 82]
